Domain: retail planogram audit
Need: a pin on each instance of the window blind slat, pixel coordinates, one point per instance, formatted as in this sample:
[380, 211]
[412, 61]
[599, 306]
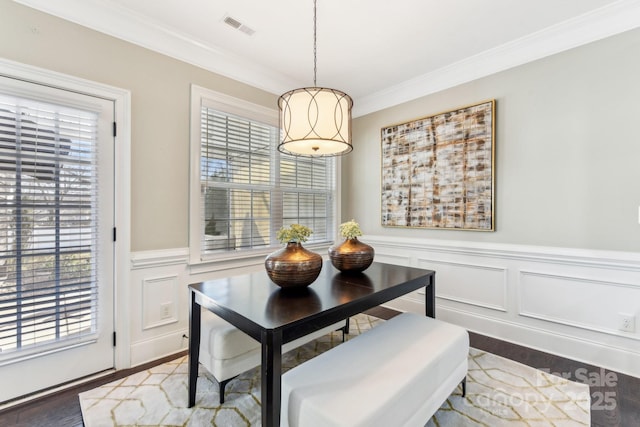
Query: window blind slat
[48, 223]
[243, 177]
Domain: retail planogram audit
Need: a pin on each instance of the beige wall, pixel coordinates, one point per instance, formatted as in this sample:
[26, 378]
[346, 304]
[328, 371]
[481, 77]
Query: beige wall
[568, 151]
[567, 146]
[160, 88]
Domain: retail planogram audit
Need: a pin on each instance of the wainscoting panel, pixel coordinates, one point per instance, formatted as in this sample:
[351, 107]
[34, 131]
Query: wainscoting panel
[392, 259]
[578, 301]
[488, 288]
[159, 304]
[559, 300]
[159, 301]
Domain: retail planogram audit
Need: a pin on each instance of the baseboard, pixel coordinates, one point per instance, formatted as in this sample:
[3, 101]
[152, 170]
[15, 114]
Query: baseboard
[158, 347]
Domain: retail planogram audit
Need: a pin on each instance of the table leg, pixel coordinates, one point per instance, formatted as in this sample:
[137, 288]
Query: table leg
[430, 297]
[194, 347]
[271, 377]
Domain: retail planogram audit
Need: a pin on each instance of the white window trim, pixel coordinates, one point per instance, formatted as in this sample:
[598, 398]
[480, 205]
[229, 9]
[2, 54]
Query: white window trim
[202, 96]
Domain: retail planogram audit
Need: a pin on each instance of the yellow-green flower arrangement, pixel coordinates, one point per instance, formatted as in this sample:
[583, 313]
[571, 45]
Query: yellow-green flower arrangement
[294, 233]
[350, 229]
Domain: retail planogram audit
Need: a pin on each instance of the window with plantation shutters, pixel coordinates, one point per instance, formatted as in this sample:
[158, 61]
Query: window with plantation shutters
[48, 223]
[248, 190]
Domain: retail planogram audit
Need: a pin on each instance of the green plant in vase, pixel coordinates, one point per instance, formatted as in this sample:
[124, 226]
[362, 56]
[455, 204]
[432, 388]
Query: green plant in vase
[295, 233]
[352, 256]
[350, 230]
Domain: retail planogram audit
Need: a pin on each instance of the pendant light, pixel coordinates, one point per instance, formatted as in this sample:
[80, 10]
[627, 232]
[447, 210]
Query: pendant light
[315, 121]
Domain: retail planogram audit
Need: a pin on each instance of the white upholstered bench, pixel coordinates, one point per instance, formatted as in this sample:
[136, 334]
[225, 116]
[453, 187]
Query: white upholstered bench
[397, 374]
[226, 351]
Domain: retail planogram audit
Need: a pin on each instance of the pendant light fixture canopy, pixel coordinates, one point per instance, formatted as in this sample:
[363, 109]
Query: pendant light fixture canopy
[315, 121]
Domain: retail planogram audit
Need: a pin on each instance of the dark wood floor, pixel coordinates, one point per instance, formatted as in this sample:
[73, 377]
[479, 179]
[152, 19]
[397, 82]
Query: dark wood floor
[612, 404]
[62, 409]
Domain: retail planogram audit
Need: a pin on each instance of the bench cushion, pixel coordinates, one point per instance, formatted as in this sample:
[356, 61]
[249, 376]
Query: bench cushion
[398, 373]
[223, 340]
[226, 351]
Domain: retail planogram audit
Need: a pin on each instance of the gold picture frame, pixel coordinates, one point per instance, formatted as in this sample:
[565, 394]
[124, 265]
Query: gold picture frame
[439, 172]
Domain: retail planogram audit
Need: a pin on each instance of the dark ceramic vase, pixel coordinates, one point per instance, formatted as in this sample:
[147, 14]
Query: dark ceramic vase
[352, 256]
[293, 266]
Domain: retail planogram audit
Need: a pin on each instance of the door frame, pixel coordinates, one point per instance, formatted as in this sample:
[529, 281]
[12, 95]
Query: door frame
[122, 185]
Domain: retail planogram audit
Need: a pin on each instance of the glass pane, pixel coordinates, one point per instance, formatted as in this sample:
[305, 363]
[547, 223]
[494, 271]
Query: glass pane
[290, 207]
[48, 224]
[216, 208]
[238, 179]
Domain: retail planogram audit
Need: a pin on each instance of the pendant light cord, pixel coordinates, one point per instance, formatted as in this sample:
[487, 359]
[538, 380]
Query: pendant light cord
[315, 50]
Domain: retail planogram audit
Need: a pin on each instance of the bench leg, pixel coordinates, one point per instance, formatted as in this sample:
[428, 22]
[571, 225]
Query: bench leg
[345, 329]
[222, 385]
[464, 386]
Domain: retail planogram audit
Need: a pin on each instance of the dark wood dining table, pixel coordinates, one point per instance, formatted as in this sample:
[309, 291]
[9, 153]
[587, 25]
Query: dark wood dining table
[274, 316]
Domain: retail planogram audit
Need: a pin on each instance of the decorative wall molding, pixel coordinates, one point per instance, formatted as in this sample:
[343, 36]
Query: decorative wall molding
[607, 21]
[159, 258]
[489, 288]
[227, 264]
[111, 19]
[618, 358]
[392, 259]
[560, 300]
[629, 261]
[159, 304]
[597, 314]
[159, 297]
[159, 346]
[517, 293]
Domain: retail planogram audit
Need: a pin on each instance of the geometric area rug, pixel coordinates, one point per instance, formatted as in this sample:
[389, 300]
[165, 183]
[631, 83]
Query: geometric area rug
[500, 392]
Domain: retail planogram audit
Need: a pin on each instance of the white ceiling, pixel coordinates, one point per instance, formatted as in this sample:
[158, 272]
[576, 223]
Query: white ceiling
[380, 52]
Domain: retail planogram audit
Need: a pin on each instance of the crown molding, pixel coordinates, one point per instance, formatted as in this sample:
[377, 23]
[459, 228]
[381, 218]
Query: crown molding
[111, 19]
[615, 18]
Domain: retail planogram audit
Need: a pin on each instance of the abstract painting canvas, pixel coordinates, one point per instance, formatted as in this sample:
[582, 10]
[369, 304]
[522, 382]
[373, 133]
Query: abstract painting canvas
[438, 171]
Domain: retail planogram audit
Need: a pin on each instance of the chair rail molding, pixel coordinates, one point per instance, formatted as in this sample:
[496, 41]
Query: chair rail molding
[556, 255]
[159, 258]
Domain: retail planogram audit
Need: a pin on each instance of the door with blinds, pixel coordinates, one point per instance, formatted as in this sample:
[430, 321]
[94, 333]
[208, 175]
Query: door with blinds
[56, 236]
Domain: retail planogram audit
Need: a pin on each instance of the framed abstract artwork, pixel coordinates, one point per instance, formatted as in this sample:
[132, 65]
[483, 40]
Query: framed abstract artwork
[439, 172]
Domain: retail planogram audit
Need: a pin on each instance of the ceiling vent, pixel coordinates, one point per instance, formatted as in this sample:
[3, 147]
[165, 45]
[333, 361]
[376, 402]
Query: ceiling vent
[232, 22]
